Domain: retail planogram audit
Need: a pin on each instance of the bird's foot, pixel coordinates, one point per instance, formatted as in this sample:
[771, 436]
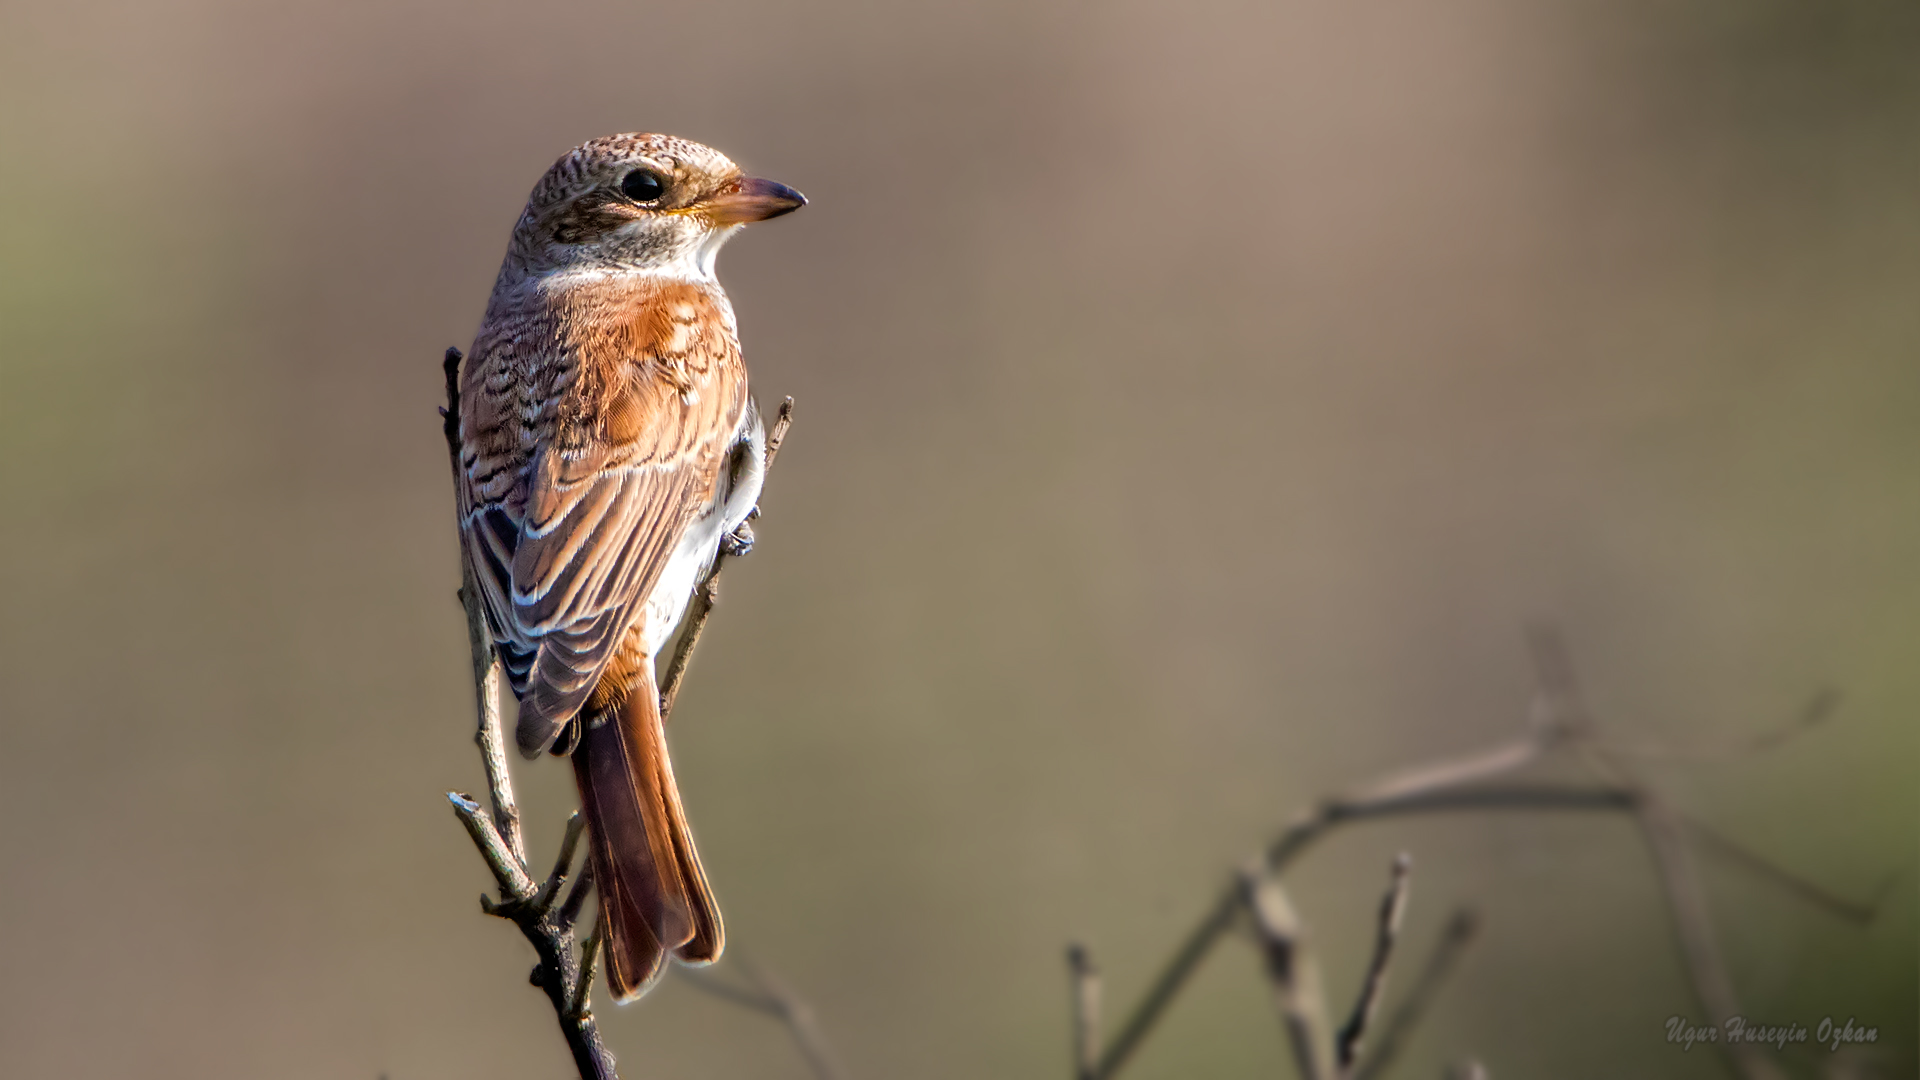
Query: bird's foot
[738, 542]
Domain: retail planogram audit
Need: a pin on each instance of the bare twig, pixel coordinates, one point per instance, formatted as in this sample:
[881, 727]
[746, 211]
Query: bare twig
[1310, 827]
[1164, 988]
[515, 885]
[1714, 842]
[578, 1004]
[1666, 836]
[1558, 687]
[550, 891]
[566, 977]
[1454, 942]
[1818, 709]
[1393, 910]
[801, 1022]
[498, 835]
[1291, 971]
[1693, 929]
[769, 994]
[576, 897]
[1558, 716]
[1086, 1012]
[1545, 730]
[707, 593]
[704, 980]
[492, 746]
[486, 666]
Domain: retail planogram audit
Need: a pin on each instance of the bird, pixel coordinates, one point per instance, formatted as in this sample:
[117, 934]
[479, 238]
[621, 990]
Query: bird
[609, 450]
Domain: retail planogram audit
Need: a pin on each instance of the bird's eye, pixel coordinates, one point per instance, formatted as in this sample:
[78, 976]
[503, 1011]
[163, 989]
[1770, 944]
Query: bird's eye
[643, 185]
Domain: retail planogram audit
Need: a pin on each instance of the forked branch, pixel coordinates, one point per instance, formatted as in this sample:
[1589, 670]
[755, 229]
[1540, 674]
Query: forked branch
[1393, 911]
[561, 973]
[547, 921]
[1558, 718]
[1292, 972]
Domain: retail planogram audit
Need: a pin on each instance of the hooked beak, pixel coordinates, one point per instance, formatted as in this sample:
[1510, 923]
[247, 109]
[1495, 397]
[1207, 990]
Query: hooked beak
[751, 199]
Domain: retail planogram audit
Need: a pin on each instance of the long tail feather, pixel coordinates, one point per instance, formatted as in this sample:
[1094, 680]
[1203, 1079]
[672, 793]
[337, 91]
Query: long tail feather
[653, 894]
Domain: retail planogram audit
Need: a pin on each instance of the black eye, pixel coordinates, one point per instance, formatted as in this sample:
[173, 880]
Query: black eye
[643, 185]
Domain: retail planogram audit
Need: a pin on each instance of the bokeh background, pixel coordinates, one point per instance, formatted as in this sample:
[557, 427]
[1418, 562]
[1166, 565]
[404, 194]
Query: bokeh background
[1196, 401]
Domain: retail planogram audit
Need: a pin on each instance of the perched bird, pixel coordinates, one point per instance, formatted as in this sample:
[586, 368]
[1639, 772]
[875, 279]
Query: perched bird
[608, 449]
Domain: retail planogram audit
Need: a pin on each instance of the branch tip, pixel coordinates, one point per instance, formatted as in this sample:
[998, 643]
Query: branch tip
[569, 843]
[1291, 970]
[577, 896]
[1393, 910]
[577, 1008]
[1461, 928]
[496, 832]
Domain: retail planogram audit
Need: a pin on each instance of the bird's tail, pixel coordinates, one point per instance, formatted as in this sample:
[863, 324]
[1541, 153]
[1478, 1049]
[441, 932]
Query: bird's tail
[654, 898]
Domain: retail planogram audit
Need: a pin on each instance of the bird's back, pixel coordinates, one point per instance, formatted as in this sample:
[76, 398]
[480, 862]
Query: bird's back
[596, 411]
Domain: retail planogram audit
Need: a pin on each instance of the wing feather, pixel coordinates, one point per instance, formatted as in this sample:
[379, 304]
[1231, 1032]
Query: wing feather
[583, 470]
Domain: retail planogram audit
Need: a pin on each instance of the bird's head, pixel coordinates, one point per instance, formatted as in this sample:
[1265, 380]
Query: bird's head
[648, 203]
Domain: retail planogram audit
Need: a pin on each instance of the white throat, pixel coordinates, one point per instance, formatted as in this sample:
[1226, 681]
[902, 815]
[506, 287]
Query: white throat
[709, 250]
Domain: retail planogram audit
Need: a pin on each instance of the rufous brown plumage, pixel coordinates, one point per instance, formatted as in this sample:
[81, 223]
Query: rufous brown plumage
[609, 446]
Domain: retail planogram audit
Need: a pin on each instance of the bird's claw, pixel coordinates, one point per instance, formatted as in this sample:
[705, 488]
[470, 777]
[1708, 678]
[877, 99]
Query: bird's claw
[738, 542]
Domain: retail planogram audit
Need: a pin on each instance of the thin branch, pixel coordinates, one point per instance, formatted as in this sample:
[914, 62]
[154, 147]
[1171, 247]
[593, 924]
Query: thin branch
[707, 983]
[1818, 710]
[770, 995]
[705, 596]
[1504, 758]
[1546, 729]
[1693, 930]
[1666, 836]
[1687, 898]
[1161, 992]
[493, 750]
[486, 665]
[1554, 668]
[1558, 716]
[576, 898]
[801, 1022]
[1714, 842]
[578, 1004]
[515, 885]
[498, 836]
[567, 978]
[1454, 941]
[1291, 971]
[550, 891]
[1297, 837]
[1393, 910]
[1559, 689]
[1086, 1012]
[707, 593]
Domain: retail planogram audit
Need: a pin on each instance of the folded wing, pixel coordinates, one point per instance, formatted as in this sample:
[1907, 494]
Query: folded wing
[632, 414]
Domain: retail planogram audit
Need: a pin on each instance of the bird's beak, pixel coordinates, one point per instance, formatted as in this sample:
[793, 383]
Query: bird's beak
[750, 199]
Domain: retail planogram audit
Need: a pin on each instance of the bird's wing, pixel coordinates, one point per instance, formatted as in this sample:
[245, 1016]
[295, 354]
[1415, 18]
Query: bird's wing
[643, 420]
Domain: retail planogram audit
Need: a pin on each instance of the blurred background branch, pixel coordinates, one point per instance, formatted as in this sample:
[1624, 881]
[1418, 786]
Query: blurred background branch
[767, 993]
[1559, 717]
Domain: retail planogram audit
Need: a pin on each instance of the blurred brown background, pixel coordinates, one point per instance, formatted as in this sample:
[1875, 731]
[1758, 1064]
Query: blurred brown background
[1196, 400]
